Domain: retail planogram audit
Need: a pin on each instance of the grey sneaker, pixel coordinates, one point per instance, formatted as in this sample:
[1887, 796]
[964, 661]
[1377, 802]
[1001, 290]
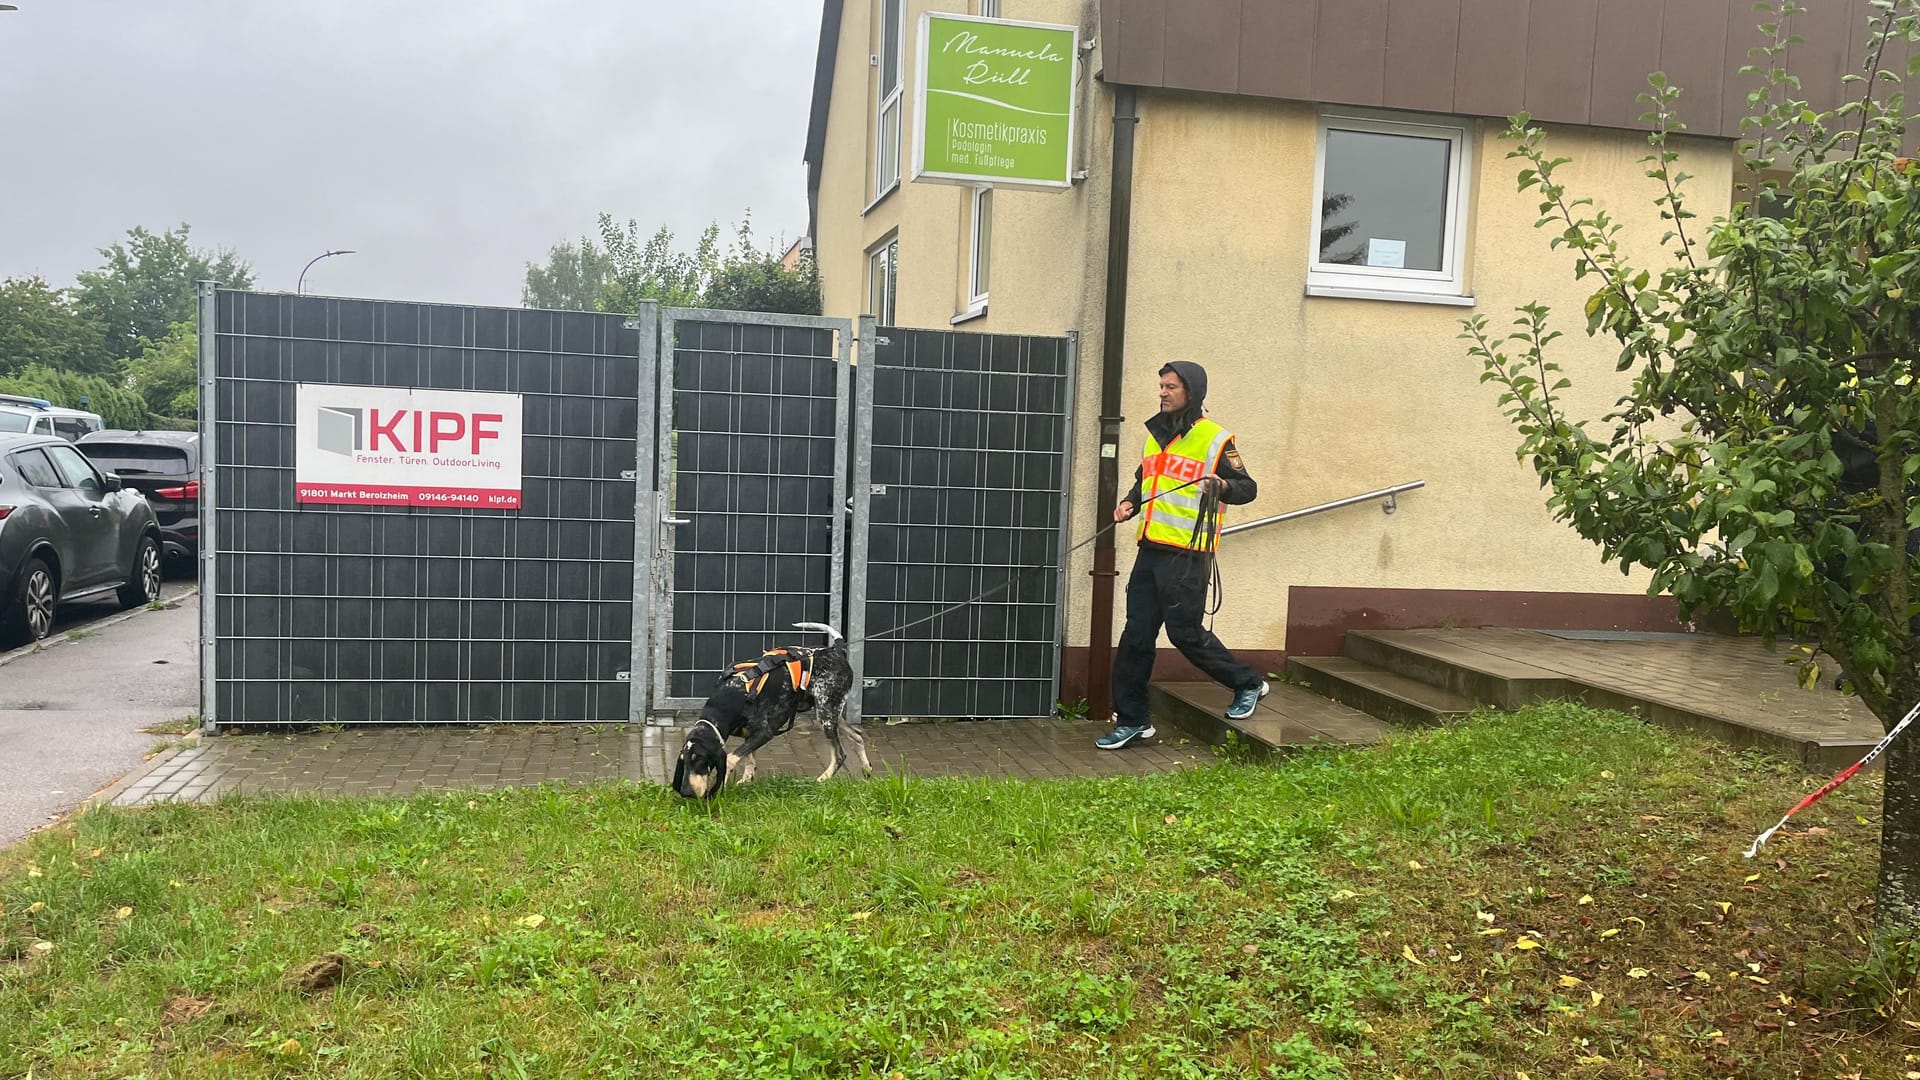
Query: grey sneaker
[1245, 701]
[1121, 736]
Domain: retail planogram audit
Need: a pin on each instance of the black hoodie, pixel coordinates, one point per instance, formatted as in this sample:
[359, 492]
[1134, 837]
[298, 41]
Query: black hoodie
[1166, 427]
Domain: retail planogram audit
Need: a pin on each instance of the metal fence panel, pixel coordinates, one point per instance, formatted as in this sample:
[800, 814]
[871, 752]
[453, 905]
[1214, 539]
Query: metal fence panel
[964, 441]
[753, 413]
[357, 614]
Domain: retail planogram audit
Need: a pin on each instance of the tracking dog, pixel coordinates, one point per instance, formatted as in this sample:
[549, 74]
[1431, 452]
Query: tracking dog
[759, 699]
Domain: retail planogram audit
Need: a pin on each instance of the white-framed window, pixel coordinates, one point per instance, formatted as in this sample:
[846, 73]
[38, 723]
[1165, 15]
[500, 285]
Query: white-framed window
[883, 280]
[980, 248]
[1389, 209]
[886, 136]
[989, 9]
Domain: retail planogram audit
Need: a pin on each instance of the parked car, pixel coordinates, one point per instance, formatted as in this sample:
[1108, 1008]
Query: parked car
[66, 423]
[165, 467]
[68, 532]
[72, 424]
[25, 419]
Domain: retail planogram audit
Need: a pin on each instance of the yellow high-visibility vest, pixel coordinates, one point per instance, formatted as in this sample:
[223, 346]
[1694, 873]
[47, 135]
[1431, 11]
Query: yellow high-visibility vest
[1173, 517]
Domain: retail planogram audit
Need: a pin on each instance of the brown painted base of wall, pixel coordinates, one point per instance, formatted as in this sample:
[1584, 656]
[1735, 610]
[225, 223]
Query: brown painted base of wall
[1168, 666]
[1319, 617]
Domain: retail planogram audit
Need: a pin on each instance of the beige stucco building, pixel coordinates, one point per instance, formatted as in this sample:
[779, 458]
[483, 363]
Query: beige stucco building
[1337, 378]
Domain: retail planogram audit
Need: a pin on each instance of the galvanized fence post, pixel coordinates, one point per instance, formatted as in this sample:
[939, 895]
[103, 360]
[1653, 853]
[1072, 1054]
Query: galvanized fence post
[861, 502]
[210, 504]
[646, 521]
[1068, 412]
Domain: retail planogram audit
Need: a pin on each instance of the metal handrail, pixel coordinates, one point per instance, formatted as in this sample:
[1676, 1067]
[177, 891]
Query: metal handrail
[1384, 493]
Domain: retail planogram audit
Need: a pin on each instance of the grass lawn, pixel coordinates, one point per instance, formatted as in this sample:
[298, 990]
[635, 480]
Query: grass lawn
[1556, 893]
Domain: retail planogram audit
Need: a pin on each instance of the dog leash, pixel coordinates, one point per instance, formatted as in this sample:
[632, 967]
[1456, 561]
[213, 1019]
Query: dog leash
[1205, 526]
[1018, 571]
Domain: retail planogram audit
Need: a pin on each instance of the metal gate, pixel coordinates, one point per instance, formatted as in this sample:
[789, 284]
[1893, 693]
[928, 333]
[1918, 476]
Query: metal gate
[685, 501]
[380, 614]
[962, 487]
[753, 481]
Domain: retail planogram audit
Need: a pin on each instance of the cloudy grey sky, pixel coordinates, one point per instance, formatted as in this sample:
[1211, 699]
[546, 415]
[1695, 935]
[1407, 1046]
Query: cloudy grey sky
[447, 143]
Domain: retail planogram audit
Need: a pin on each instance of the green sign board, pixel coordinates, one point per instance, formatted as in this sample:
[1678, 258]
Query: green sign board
[995, 102]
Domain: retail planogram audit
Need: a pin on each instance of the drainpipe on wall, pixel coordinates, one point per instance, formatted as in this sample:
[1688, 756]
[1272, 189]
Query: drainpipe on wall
[1112, 371]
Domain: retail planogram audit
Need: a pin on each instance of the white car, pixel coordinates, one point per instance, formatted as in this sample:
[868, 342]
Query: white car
[69, 424]
[15, 419]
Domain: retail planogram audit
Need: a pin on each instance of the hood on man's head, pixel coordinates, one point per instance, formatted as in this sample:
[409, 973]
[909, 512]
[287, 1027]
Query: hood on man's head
[1195, 377]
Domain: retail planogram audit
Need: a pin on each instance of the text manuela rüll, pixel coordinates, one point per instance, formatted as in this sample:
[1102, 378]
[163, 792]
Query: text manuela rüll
[998, 66]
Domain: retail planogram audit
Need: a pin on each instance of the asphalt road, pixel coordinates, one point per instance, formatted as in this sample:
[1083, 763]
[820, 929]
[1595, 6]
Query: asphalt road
[71, 713]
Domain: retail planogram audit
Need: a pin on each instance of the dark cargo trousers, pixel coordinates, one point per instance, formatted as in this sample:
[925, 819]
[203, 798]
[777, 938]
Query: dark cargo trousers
[1169, 586]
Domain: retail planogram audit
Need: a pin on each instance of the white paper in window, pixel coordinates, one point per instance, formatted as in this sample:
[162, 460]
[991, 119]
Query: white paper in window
[1391, 253]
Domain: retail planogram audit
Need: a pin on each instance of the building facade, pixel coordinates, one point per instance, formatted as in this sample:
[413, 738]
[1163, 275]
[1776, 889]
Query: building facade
[1307, 197]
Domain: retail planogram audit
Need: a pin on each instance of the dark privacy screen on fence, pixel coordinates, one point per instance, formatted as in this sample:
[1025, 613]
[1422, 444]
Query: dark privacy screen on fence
[950, 518]
[353, 614]
[757, 456]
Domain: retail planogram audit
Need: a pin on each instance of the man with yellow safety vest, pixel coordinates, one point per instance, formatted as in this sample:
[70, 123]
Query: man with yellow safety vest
[1189, 467]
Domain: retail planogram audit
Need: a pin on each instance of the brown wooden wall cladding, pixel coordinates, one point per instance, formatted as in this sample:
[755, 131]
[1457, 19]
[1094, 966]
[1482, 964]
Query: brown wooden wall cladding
[1564, 61]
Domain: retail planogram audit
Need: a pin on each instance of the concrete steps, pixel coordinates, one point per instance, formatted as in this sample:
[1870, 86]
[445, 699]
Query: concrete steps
[1290, 717]
[1416, 677]
[1379, 692]
[1480, 677]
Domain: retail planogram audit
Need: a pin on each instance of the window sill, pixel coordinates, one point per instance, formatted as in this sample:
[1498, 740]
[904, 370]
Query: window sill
[880, 198]
[968, 315]
[1346, 292]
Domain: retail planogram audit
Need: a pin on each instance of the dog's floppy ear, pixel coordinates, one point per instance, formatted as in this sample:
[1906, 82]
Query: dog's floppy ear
[680, 773]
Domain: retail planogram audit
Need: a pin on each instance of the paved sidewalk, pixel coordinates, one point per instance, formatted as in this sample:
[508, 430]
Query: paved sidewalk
[405, 761]
[72, 713]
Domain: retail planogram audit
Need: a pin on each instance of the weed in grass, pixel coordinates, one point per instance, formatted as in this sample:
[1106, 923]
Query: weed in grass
[1237, 748]
[893, 791]
[1871, 990]
[1300, 1059]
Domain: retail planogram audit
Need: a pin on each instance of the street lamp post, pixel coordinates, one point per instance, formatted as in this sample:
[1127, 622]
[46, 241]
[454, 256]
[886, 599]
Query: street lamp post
[302, 286]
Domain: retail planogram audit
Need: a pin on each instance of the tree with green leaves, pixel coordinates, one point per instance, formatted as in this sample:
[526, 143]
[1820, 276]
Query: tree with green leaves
[148, 285]
[1763, 458]
[40, 324]
[752, 278]
[652, 268]
[570, 280]
[166, 374]
[627, 267]
[118, 406]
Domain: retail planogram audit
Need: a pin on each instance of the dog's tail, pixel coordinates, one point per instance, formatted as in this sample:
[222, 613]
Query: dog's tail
[820, 627]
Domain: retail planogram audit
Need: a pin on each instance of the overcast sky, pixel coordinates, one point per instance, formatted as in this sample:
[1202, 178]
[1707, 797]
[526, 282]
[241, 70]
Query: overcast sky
[447, 143]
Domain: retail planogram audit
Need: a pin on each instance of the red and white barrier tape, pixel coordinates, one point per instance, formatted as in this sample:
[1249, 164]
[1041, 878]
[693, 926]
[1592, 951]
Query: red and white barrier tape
[1844, 776]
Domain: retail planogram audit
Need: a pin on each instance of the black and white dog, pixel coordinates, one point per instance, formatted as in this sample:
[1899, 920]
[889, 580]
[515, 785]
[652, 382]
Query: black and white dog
[761, 704]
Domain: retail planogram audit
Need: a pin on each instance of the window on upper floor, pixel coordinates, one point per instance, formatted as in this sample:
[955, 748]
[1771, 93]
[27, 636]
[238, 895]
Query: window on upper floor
[1389, 218]
[886, 136]
[990, 8]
